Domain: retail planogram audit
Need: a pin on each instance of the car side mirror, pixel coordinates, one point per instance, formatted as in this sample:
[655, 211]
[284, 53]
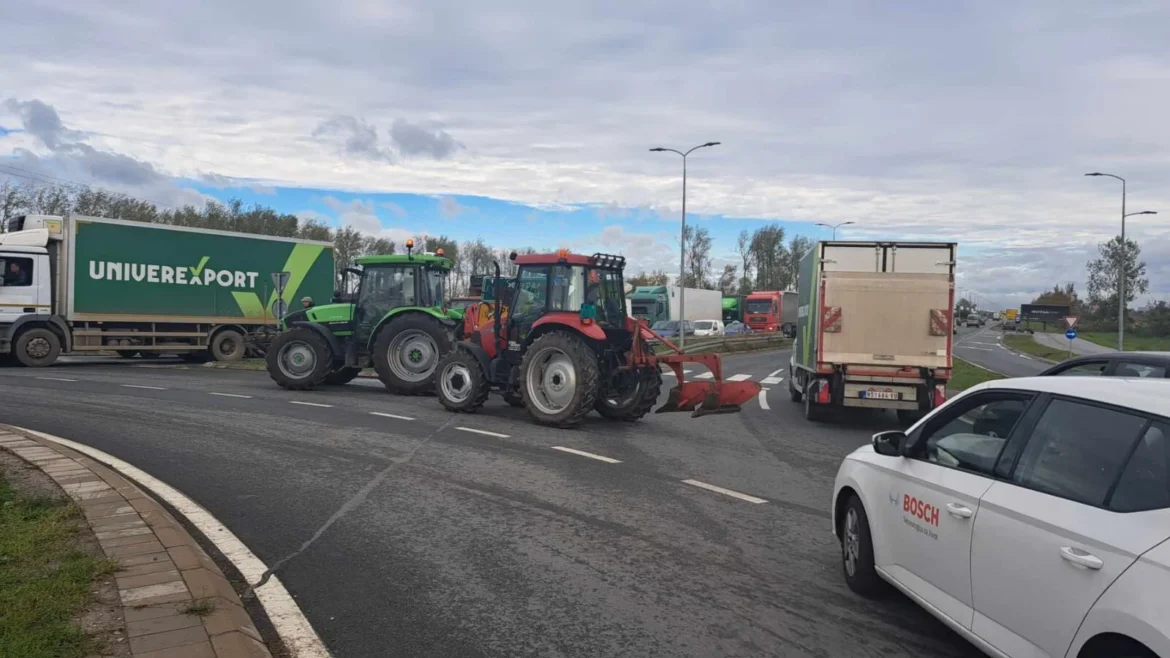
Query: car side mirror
[889, 443]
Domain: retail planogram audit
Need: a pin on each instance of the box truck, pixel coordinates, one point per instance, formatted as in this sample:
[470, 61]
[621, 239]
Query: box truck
[657, 303]
[874, 327]
[83, 285]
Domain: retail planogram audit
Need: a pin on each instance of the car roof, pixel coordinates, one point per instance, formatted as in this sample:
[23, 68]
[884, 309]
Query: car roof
[1146, 394]
[1158, 358]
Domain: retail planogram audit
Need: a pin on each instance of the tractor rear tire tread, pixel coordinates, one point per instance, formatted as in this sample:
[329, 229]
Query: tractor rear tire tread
[321, 370]
[588, 374]
[438, 333]
[483, 387]
[636, 409]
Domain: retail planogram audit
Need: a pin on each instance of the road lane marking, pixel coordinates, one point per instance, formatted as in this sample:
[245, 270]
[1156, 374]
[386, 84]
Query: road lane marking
[309, 404]
[582, 453]
[484, 432]
[771, 380]
[57, 379]
[739, 378]
[706, 375]
[284, 614]
[230, 395]
[725, 492]
[395, 416]
[764, 399]
[981, 349]
[152, 388]
[1025, 357]
[777, 372]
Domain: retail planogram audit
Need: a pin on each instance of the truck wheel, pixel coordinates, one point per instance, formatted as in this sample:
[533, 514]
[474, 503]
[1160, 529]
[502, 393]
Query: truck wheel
[633, 400]
[460, 382]
[342, 375]
[227, 345]
[37, 347]
[793, 392]
[857, 551]
[299, 359]
[558, 378]
[406, 353]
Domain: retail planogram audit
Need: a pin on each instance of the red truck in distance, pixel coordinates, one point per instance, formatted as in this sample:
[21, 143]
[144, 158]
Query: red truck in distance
[762, 310]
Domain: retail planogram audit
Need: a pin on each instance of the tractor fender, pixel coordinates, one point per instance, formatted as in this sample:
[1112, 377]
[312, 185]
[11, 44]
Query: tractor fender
[571, 321]
[435, 313]
[334, 343]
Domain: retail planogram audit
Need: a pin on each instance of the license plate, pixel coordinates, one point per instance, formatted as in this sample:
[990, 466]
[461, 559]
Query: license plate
[880, 395]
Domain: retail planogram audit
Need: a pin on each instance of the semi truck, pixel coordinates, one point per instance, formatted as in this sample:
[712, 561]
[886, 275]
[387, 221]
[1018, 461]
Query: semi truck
[84, 285]
[656, 303]
[771, 310]
[733, 309]
[874, 327]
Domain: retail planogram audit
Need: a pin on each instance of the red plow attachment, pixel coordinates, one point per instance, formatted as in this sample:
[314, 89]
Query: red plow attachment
[701, 398]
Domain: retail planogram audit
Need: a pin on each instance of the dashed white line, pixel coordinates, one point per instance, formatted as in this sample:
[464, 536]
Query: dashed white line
[764, 399]
[1025, 357]
[484, 432]
[57, 379]
[771, 380]
[590, 455]
[776, 373]
[670, 373]
[706, 375]
[230, 395]
[725, 492]
[394, 416]
[739, 378]
[309, 404]
[152, 388]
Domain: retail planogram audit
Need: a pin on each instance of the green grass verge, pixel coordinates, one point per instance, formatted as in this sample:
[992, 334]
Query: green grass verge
[1132, 343]
[964, 375]
[45, 580]
[1026, 344]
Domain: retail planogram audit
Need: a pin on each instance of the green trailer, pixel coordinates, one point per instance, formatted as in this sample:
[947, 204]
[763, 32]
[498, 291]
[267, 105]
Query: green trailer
[84, 285]
[733, 309]
[397, 323]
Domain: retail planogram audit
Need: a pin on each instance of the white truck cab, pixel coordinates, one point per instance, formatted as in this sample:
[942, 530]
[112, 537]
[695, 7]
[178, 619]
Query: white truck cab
[26, 293]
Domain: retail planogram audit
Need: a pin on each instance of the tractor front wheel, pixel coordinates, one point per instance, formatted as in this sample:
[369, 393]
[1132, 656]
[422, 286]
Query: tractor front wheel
[559, 379]
[461, 383]
[632, 396]
[299, 359]
[407, 352]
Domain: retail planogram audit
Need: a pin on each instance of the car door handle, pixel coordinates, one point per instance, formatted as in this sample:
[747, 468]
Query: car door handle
[29, 310]
[1081, 558]
[960, 511]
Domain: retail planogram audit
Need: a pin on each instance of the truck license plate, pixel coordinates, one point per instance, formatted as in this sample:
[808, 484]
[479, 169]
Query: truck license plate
[880, 395]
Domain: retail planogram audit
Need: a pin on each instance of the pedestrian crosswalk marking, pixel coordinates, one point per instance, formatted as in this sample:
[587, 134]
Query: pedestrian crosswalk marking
[772, 380]
[739, 378]
[705, 375]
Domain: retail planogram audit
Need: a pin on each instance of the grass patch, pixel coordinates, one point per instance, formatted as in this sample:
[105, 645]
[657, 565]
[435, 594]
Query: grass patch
[964, 375]
[1026, 344]
[1132, 343]
[45, 580]
[199, 607]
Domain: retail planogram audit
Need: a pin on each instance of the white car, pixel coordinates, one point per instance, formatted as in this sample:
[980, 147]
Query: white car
[1029, 515]
[708, 327]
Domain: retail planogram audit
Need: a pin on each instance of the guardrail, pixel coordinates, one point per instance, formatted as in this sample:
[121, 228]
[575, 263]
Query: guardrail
[744, 343]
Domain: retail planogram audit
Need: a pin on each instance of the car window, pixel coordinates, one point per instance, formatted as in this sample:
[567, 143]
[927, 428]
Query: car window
[1091, 369]
[1128, 369]
[1145, 482]
[973, 439]
[1076, 450]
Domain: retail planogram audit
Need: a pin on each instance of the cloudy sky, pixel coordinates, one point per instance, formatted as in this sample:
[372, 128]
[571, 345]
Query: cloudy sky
[529, 123]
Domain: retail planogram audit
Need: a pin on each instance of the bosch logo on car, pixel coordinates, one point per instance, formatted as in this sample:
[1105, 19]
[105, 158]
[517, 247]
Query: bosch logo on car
[920, 509]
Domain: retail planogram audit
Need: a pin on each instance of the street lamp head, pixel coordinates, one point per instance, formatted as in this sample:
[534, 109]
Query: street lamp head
[1095, 173]
[823, 224]
[845, 223]
[657, 149]
[712, 144]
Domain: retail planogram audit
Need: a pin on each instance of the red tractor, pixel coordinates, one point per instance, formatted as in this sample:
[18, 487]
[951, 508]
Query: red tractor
[557, 341]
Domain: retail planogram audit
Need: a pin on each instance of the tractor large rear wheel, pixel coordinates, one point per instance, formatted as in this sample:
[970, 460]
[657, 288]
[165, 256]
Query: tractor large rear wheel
[299, 359]
[407, 352]
[559, 379]
[460, 382]
[633, 396]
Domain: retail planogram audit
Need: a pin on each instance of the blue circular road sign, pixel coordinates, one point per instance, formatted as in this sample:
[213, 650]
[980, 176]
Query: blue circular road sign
[1070, 334]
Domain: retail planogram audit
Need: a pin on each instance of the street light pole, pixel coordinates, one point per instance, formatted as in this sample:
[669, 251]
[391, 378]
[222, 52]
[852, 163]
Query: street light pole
[682, 250]
[835, 227]
[1123, 257]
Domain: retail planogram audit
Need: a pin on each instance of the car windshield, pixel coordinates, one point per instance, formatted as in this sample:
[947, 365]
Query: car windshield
[665, 325]
[759, 306]
[434, 282]
[704, 324]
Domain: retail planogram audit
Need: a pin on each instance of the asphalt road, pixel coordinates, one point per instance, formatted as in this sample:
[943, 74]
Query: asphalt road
[418, 534]
[984, 347]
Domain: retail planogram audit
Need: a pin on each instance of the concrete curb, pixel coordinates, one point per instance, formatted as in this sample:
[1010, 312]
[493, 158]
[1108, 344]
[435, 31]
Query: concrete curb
[164, 571]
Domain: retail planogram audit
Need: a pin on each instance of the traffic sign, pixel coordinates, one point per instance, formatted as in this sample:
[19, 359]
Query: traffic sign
[1070, 334]
[1071, 321]
[1019, 319]
[279, 307]
[280, 280]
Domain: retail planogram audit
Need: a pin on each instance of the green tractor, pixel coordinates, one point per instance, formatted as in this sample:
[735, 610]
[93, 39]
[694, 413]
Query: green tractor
[397, 322]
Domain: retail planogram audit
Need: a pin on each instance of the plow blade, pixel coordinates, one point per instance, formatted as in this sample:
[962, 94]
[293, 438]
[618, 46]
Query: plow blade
[706, 398]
